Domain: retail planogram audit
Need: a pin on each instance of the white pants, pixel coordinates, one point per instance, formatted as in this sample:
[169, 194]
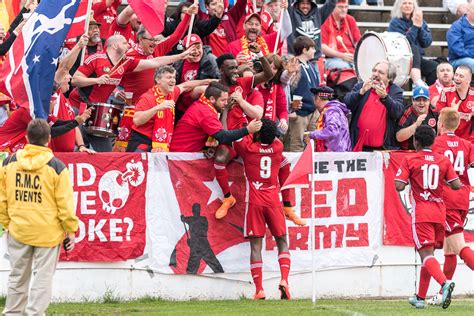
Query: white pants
[24, 260]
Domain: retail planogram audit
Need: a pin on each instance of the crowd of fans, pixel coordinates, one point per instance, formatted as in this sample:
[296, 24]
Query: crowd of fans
[119, 64]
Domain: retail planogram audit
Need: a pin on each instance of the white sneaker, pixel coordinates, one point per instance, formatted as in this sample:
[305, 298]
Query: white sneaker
[435, 300]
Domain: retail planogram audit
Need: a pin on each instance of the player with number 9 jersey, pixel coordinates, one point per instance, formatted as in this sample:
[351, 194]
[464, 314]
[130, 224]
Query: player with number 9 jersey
[426, 171]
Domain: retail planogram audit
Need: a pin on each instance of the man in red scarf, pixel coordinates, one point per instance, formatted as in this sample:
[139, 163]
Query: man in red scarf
[340, 35]
[153, 121]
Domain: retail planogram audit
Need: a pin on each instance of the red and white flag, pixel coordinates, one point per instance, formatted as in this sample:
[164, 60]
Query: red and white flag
[299, 176]
[79, 24]
[151, 13]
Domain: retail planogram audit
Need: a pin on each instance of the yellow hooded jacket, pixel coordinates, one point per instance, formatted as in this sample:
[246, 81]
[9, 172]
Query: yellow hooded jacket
[36, 197]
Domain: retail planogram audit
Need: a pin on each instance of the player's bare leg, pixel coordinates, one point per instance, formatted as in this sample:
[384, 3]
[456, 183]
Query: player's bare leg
[256, 266]
[285, 263]
[221, 159]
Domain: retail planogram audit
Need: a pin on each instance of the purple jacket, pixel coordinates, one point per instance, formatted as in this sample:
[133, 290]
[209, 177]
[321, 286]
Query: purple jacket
[335, 132]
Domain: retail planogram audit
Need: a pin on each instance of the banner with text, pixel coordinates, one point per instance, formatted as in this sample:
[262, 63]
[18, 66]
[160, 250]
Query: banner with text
[109, 193]
[186, 238]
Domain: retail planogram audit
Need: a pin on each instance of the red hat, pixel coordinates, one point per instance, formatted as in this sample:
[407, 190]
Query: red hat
[195, 39]
[256, 15]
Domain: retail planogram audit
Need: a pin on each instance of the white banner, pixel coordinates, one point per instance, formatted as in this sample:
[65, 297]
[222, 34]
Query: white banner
[184, 237]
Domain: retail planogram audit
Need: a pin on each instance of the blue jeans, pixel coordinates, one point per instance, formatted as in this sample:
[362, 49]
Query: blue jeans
[463, 61]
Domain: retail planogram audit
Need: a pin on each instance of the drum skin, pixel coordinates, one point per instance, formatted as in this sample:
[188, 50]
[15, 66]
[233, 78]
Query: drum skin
[375, 47]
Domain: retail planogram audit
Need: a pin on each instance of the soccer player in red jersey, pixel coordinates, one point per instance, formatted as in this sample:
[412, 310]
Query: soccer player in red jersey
[461, 154]
[461, 98]
[426, 170]
[201, 121]
[265, 169]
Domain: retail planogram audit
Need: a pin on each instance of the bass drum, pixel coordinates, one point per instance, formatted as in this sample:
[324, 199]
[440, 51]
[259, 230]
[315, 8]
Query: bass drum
[375, 47]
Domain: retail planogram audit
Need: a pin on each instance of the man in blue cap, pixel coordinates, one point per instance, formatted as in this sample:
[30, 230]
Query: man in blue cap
[417, 114]
[332, 127]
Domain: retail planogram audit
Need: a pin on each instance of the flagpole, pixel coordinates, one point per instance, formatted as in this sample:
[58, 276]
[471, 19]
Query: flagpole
[313, 261]
[86, 29]
[190, 29]
[279, 31]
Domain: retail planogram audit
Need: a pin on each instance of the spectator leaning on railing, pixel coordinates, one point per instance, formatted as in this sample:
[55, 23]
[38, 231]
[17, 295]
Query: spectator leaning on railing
[407, 19]
[460, 39]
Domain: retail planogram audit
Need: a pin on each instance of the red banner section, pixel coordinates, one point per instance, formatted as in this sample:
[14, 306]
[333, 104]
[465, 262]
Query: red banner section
[109, 192]
[199, 196]
[398, 208]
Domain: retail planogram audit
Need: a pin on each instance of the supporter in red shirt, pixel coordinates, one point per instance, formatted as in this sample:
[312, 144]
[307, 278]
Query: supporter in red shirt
[266, 170]
[105, 12]
[101, 73]
[274, 96]
[426, 171]
[126, 24]
[376, 105]
[339, 35]
[445, 75]
[201, 65]
[226, 31]
[153, 121]
[201, 121]
[268, 26]
[461, 98]
[253, 30]
[461, 154]
[138, 83]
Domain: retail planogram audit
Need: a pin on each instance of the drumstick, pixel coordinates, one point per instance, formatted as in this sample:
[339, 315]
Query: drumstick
[339, 39]
[115, 68]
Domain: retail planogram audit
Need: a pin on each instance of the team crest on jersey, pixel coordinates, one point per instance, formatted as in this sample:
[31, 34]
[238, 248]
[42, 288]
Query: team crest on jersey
[106, 69]
[120, 70]
[161, 134]
[432, 122]
[190, 75]
[470, 105]
[219, 32]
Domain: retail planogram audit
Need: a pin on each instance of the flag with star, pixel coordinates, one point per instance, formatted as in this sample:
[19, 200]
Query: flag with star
[29, 68]
[192, 186]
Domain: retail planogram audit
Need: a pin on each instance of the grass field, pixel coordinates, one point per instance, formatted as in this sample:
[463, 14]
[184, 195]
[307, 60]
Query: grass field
[248, 307]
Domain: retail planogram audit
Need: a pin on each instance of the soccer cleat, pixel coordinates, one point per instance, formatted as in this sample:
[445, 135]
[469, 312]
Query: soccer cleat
[448, 288]
[413, 300]
[284, 290]
[226, 205]
[259, 296]
[435, 300]
[291, 215]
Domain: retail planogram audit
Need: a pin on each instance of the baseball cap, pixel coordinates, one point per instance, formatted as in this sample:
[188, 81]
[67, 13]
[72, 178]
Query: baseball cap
[256, 15]
[323, 91]
[421, 92]
[195, 39]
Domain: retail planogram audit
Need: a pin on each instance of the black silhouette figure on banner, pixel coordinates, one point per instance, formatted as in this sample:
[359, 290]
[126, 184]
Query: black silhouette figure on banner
[199, 247]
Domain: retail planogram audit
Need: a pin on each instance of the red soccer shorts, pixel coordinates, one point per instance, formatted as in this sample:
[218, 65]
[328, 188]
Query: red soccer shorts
[257, 215]
[455, 221]
[428, 235]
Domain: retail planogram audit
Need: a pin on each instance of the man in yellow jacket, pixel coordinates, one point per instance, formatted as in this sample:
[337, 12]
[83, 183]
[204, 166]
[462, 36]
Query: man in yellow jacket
[37, 210]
